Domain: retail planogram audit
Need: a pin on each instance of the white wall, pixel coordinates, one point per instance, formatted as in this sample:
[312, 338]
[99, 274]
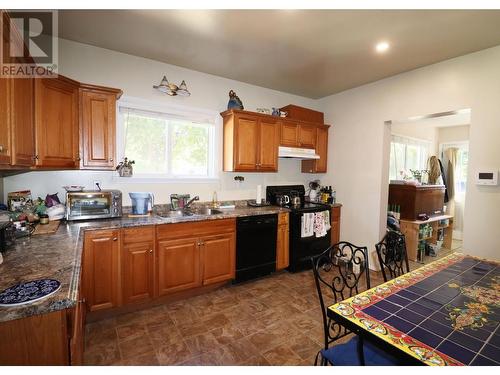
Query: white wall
[453, 134]
[358, 160]
[136, 76]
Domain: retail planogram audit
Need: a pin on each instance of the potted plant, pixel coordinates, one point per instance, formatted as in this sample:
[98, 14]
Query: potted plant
[124, 168]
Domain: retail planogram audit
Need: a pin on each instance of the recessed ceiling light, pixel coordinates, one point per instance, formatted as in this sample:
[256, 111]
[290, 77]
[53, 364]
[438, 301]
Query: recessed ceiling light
[382, 47]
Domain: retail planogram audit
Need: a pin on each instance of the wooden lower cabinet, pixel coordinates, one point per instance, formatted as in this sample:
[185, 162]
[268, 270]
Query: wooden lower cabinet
[138, 261]
[36, 340]
[77, 332]
[218, 258]
[178, 265]
[282, 243]
[335, 219]
[101, 262]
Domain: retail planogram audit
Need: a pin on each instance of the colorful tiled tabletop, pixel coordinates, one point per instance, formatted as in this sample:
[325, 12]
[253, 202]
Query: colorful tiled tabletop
[445, 313]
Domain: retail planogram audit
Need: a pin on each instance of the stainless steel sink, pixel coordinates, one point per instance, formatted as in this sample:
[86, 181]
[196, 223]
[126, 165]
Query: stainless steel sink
[208, 211]
[175, 213]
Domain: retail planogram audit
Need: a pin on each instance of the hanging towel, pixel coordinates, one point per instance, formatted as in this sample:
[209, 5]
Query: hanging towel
[326, 215]
[319, 224]
[307, 225]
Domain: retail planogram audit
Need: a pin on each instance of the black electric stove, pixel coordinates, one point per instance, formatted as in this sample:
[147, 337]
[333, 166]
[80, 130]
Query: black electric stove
[301, 248]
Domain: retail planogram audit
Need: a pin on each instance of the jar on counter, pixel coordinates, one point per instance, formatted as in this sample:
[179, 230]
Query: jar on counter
[44, 219]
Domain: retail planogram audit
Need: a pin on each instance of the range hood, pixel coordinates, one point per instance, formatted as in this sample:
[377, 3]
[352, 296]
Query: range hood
[297, 153]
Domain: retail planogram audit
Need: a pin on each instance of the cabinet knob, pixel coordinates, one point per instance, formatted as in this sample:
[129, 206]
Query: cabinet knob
[111, 159]
[150, 250]
[2, 149]
[115, 238]
[35, 157]
[78, 158]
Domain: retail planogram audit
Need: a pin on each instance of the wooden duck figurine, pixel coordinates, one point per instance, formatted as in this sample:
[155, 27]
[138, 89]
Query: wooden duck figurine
[234, 101]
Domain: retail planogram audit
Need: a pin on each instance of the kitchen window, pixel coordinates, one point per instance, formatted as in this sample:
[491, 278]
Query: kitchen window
[407, 153]
[168, 143]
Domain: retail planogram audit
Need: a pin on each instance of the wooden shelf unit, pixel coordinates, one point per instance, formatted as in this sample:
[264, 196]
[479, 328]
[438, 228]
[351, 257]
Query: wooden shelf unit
[410, 228]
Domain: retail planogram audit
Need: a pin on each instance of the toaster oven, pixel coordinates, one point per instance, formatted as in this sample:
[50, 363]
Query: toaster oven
[84, 205]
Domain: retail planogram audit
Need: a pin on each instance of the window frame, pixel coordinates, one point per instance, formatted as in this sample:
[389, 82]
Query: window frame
[182, 112]
[409, 141]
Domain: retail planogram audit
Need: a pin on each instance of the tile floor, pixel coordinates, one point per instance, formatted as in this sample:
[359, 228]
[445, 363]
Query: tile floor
[272, 321]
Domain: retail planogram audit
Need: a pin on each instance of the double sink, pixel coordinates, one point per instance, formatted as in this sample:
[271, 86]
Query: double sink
[202, 211]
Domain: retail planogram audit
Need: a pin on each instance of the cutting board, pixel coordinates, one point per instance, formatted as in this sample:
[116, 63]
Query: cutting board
[51, 227]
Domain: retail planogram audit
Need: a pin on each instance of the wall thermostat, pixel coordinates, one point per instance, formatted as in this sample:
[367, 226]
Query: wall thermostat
[487, 177]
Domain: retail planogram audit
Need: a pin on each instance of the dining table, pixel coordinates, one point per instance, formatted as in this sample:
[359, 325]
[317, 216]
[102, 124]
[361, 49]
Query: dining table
[445, 313]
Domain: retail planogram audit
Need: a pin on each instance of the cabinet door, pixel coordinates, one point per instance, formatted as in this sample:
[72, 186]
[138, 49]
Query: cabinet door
[101, 269]
[282, 243]
[98, 129]
[307, 136]
[289, 134]
[56, 119]
[22, 121]
[78, 331]
[138, 272]
[218, 258]
[268, 145]
[5, 122]
[319, 165]
[246, 144]
[178, 263]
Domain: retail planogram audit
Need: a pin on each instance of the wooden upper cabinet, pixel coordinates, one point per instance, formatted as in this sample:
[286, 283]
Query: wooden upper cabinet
[5, 148]
[218, 258]
[307, 136]
[22, 121]
[318, 165]
[289, 134]
[268, 145]
[56, 119]
[250, 142]
[295, 134]
[246, 143]
[98, 127]
[101, 262]
[138, 260]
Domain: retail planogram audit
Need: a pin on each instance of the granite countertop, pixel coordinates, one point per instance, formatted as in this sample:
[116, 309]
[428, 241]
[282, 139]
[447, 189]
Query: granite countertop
[59, 256]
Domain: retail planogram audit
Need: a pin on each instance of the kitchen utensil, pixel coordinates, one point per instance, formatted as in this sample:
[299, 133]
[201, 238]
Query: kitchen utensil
[142, 202]
[282, 200]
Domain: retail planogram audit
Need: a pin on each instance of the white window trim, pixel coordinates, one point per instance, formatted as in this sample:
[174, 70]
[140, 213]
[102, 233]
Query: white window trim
[210, 116]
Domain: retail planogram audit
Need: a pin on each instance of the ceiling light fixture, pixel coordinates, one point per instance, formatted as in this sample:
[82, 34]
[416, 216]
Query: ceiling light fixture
[172, 89]
[382, 47]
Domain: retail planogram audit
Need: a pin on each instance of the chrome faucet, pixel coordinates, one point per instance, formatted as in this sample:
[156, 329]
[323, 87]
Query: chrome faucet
[190, 202]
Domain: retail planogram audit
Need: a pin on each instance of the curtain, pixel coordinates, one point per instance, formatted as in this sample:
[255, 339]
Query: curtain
[451, 155]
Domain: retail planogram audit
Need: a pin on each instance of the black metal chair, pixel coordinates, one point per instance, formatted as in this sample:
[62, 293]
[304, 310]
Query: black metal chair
[338, 273]
[392, 256]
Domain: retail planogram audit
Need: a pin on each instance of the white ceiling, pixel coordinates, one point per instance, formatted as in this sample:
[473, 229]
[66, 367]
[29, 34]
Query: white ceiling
[313, 53]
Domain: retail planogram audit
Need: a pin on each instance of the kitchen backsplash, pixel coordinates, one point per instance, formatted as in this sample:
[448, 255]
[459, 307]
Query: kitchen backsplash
[42, 183]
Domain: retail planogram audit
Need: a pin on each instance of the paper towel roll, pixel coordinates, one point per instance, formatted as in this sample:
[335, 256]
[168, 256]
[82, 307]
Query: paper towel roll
[258, 200]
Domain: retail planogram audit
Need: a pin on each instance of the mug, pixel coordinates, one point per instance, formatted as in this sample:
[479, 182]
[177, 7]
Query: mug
[281, 200]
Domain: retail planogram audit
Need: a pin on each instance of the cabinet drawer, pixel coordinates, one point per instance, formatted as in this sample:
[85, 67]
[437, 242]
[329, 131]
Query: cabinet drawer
[283, 218]
[195, 229]
[138, 234]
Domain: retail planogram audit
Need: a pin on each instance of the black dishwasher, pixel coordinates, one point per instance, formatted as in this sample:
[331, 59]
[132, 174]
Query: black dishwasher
[255, 246]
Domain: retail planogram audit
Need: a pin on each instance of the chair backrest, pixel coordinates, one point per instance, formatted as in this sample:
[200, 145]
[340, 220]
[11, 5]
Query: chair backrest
[338, 271]
[392, 256]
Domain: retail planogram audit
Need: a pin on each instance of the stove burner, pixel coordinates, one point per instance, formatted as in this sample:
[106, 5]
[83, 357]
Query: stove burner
[28, 292]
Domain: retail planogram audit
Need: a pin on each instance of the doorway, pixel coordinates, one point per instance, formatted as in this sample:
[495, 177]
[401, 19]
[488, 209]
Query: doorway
[428, 160]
